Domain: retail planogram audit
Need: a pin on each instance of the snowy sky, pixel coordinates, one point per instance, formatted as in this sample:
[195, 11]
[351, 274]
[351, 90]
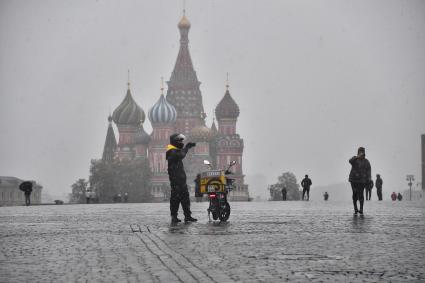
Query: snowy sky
[314, 80]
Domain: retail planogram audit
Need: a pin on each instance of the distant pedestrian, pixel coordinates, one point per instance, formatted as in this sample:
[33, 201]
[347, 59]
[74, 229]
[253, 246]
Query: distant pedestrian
[284, 192]
[125, 197]
[399, 197]
[378, 185]
[326, 196]
[369, 187]
[306, 184]
[88, 195]
[119, 197]
[394, 196]
[26, 187]
[360, 176]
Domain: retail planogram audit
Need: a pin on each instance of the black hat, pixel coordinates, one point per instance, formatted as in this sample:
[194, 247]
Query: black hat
[361, 149]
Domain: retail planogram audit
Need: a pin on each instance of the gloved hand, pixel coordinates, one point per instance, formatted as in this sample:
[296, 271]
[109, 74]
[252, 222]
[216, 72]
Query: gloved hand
[190, 144]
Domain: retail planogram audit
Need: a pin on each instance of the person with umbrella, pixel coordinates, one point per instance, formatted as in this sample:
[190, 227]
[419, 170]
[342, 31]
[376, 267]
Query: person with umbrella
[26, 187]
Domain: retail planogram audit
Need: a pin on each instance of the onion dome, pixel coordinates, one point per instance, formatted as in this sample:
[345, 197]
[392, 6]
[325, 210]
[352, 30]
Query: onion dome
[227, 108]
[201, 134]
[162, 112]
[128, 112]
[184, 23]
[142, 137]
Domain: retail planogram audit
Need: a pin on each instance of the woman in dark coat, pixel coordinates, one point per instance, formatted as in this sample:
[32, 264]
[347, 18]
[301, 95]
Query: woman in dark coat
[360, 176]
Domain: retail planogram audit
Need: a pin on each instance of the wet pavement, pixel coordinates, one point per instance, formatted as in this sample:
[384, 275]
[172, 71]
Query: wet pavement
[262, 242]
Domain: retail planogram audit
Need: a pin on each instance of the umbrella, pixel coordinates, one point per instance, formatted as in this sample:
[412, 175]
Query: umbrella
[24, 186]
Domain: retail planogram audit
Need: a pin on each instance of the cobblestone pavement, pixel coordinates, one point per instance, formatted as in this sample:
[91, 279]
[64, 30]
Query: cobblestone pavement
[262, 242]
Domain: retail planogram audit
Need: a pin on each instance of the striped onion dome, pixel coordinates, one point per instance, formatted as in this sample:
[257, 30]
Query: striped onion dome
[128, 112]
[142, 137]
[162, 112]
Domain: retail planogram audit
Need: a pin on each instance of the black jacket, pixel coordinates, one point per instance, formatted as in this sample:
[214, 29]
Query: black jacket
[360, 170]
[176, 171]
[378, 183]
[306, 183]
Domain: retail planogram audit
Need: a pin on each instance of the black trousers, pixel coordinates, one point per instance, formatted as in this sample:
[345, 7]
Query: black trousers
[379, 193]
[179, 195]
[27, 200]
[308, 193]
[368, 193]
[358, 194]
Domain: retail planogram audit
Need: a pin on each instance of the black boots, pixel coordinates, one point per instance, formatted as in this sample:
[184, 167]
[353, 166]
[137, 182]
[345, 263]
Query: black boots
[361, 207]
[190, 219]
[174, 219]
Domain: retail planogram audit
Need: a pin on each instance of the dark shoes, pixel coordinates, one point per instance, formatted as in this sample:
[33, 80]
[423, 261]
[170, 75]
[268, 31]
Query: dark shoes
[190, 219]
[174, 219]
[361, 212]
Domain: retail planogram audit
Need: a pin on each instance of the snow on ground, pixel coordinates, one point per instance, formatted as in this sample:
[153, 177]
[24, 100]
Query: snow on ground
[262, 242]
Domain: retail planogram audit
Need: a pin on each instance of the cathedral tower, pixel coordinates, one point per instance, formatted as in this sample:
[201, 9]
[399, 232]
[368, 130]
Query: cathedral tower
[110, 143]
[229, 145]
[163, 116]
[183, 87]
[128, 117]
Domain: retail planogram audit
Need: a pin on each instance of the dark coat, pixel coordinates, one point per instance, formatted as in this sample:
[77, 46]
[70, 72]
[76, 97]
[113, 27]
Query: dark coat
[360, 170]
[378, 183]
[176, 171]
[306, 183]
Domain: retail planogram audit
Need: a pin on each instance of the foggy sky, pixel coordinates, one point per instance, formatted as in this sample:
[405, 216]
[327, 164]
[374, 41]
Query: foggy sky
[314, 81]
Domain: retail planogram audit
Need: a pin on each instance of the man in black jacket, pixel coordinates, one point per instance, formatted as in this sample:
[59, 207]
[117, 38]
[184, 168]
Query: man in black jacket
[306, 183]
[176, 152]
[360, 176]
[378, 185]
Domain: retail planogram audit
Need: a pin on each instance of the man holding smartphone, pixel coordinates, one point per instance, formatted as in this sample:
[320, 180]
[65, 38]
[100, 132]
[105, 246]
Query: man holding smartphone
[176, 152]
[360, 176]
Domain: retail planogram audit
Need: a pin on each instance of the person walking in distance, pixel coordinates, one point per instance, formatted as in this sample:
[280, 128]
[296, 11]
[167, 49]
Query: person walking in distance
[284, 192]
[326, 196]
[369, 187]
[393, 196]
[306, 184]
[360, 176]
[378, 185]
[176, 152]
[26, 187]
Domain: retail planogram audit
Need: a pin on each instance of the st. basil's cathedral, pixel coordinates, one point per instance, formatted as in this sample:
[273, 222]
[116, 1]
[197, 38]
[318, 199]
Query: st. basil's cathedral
[181, 111]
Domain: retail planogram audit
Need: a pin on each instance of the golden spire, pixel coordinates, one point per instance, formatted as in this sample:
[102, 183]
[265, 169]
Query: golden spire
[184, 22]
[128, 78]
[162, 85]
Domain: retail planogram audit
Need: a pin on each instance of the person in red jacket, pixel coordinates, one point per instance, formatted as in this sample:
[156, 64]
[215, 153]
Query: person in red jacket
[394, 196]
